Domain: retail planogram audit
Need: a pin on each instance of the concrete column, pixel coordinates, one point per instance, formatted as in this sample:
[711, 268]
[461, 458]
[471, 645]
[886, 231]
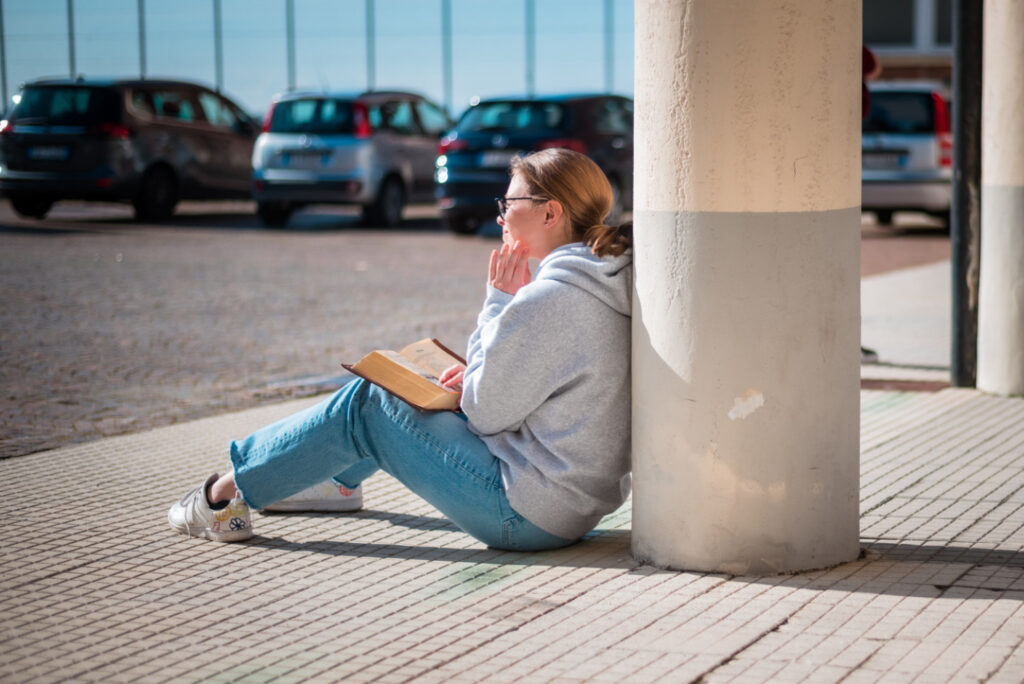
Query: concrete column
[1001, 286]
[746, 321]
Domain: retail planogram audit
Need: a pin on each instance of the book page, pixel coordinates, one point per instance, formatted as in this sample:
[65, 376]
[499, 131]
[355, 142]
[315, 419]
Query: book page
[430, 357]
[407, 364]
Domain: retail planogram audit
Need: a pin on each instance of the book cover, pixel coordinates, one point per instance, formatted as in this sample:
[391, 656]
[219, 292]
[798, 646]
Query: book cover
[412, 373]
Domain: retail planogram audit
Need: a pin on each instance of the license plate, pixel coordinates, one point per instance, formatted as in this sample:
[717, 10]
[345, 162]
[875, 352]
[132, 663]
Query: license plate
[48, 153]
[305, 160]
[497, 157]
[883, 160]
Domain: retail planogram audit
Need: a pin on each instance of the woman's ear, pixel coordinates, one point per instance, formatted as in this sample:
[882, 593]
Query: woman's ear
[553, 213]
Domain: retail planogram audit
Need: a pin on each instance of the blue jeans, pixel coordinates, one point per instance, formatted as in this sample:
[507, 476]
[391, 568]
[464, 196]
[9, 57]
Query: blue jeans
[361, 429]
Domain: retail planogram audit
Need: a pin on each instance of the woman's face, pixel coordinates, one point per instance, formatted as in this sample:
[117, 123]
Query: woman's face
[524, 219]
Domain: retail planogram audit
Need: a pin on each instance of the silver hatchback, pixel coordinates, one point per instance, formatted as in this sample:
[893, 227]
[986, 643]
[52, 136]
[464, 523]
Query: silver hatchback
[907, 151]
[373, 149]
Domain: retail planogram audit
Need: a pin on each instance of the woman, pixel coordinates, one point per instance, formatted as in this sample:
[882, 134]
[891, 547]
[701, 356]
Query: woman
[540, 451]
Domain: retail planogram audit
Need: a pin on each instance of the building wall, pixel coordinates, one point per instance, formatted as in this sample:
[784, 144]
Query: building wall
[913, 39]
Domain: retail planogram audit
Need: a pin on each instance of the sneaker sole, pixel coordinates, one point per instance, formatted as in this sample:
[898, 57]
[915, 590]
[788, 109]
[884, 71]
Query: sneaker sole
[314, 505]
[207, 533]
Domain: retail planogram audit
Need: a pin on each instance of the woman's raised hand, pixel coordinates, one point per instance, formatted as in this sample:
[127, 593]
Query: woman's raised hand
[509, 269]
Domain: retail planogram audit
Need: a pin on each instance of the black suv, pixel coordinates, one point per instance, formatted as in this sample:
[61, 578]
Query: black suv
[472, 163]
[148, 142]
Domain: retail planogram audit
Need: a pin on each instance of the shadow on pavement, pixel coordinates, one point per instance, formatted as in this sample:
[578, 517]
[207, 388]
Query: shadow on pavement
[993, 572]
[944, 553]
[595, 553]
[416, 522]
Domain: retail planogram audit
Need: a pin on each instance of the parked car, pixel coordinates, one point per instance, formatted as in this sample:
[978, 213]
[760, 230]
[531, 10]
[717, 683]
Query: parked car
[907, 151]
[151, 143]
[473, 159]
[374, 149]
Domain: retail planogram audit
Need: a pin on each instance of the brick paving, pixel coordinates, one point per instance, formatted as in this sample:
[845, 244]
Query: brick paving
[94, 586]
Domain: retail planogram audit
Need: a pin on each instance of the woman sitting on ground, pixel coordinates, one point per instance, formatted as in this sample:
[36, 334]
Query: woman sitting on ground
[540, 451]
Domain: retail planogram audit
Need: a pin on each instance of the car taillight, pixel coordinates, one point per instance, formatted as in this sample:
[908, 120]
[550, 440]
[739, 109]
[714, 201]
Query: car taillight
[268, 117]
[567, 143]
[112, 130]
[942, 132]
[361, 127]
[451, 143]
[6, 127]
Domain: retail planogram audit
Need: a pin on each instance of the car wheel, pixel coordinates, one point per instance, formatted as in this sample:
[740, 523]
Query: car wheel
[883, 217]
[386, 210]
[31, 207]
[460, 224]
[274, 214]
[946, 218]
[157, 195]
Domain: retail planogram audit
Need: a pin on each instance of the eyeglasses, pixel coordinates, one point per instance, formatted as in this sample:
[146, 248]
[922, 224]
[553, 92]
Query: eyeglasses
[503, 202]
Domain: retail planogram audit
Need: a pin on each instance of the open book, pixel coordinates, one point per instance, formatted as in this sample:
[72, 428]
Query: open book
[411, 374]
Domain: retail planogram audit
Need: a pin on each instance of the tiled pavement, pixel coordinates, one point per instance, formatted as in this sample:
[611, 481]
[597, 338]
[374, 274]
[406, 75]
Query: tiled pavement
[94, 586]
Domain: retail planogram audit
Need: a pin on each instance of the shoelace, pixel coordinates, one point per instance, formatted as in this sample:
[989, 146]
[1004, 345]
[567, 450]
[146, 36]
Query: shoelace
[191, 507]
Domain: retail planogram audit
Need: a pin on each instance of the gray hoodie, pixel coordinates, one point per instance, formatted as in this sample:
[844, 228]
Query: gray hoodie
[547, 388]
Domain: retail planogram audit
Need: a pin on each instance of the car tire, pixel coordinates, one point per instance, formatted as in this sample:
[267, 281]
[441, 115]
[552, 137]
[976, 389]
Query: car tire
[386, 210]
[31, 207]
[460, 224]
[946, 217]
[157, 195]
[883, 217]
[274, 214]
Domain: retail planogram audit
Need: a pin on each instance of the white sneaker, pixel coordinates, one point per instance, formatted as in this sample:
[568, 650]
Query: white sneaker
[194, 517]
[326, 496]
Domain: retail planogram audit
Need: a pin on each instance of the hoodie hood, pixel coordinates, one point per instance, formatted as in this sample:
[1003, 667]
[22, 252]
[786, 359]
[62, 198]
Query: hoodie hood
[609, 278]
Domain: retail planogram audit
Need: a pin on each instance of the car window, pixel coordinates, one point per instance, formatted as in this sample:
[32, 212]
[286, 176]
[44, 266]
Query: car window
[173, 104]
[66, 105]
[614, 118]
[433, 120]
[140, 102]
[397, 116]
[217, 111]
[504, 116]
[375, 117]
[312, 115]
[900, 112]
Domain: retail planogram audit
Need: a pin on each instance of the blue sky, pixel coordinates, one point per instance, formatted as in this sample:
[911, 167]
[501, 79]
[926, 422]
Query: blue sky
[488, 44]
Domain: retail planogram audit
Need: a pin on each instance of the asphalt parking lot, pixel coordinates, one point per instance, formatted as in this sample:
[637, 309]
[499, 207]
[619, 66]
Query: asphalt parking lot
[110, 327]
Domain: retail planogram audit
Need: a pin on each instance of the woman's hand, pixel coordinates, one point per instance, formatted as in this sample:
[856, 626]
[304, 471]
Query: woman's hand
[451, 378]
[509, 269]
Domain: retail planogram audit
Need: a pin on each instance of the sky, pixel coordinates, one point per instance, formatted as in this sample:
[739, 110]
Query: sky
[489, 45]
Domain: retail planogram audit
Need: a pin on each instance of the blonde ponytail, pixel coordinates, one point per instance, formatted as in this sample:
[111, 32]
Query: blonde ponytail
[608, 241]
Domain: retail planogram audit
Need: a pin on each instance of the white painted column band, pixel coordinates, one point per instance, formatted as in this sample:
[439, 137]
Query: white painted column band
[1002, 95]
[746, 322]
[749, 102]
[1001, 286]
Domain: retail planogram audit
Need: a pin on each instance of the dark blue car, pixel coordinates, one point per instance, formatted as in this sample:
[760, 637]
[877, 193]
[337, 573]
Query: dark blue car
[473, 159]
